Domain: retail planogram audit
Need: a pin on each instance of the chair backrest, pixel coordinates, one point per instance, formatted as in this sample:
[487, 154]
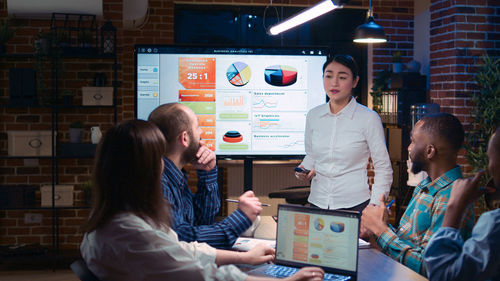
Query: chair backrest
[82, 271]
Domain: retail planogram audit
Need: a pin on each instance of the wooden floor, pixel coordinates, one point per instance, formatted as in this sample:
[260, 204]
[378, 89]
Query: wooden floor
[38, 275]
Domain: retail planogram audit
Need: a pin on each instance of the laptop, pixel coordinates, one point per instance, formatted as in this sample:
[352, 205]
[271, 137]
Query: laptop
[308, 236]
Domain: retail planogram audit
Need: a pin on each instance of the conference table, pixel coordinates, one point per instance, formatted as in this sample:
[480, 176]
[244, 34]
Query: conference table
[373, 265]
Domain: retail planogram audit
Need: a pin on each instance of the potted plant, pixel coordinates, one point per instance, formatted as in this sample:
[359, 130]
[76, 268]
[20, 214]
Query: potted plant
[380, 84]
[6, 33]
[62, 38]
[42, 43]
[87, 191]
[486, 114]
[86, 38]
[397, 62]
[76, 132]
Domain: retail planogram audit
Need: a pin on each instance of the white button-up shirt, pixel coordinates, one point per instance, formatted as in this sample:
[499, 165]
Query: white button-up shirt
[128, 248]
[338, 147]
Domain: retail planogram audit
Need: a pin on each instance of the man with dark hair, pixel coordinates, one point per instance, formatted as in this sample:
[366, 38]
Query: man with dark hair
[435, 142]
[448, 256]
[194, 214]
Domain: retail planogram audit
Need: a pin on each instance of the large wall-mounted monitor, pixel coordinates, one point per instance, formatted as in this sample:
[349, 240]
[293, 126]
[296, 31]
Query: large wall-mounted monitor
[250, 102]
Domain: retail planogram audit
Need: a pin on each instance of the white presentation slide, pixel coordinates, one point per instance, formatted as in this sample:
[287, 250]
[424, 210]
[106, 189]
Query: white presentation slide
[259, 101]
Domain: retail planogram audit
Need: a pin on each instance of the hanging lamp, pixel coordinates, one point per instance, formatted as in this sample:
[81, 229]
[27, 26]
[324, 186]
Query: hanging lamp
[369, 32]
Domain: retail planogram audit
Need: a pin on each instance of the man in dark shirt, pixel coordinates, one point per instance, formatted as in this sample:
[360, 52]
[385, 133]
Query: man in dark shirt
[194, 214]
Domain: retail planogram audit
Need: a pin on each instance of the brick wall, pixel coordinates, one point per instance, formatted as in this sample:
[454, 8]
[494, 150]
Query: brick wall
[77, 73]
[395, 16]
[461, 32]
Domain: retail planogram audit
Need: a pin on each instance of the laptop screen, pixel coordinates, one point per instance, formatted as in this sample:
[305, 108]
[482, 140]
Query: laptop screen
[312, 236]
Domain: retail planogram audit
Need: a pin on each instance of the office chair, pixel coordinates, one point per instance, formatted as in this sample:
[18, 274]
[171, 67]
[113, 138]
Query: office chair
[82, 271]
[293, 194]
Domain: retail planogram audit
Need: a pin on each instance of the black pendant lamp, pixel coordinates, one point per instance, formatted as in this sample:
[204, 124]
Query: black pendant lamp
[369, 32]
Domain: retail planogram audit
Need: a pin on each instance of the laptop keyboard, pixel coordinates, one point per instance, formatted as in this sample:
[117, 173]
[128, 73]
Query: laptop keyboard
[281, 271]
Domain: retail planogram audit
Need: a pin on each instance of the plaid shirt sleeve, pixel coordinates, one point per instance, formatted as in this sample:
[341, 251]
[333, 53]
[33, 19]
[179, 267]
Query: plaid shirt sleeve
[410, 253]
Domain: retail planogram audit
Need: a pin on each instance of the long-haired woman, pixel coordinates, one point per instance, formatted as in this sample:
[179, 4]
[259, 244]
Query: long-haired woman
[128, 233]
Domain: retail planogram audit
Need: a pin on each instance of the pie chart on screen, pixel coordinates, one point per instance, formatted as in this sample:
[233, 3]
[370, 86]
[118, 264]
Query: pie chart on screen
[238, 74]
[280, 75]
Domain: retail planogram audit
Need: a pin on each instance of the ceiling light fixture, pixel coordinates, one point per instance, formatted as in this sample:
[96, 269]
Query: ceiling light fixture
[306, 15]
[369, 32]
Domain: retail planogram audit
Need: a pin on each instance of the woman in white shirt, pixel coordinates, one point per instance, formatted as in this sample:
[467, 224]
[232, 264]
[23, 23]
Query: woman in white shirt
[129, 235]
[340, 137]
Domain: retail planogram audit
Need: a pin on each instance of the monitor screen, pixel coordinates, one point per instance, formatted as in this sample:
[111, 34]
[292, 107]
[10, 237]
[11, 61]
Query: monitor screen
[249, 101]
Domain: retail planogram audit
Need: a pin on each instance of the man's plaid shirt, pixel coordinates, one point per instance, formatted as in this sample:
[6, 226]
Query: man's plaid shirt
[422, 218]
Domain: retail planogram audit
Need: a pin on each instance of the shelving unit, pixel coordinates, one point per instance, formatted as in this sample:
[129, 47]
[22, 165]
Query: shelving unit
[56, 112]
[405, 90]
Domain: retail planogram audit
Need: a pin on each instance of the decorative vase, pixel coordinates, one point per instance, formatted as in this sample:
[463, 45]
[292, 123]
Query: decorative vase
[75, 135]
[397, 67]
[95, 134]
[413, 66]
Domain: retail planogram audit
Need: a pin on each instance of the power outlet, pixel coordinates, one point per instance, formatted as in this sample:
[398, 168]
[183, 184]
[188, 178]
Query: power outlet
[32, 218]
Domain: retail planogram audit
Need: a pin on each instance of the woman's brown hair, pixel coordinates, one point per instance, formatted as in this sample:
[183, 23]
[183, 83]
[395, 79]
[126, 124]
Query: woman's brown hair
[127, 175]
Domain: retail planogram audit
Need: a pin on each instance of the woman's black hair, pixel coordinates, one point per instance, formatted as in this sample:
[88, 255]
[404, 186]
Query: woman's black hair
[346, 61]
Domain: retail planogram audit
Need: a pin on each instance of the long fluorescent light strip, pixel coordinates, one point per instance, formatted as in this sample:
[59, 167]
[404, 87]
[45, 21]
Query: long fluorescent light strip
[370, 40]
[307, 15]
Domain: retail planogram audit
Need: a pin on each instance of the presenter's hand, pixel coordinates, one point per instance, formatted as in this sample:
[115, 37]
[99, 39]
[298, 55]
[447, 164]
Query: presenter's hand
[305, 177]
[250, 205]
[307, 273]
[374, 217]
[259, 254]
[205, 158]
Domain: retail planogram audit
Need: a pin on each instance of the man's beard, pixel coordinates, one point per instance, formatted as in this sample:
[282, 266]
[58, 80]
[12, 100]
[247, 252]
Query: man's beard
[417, 165]
[190, 153]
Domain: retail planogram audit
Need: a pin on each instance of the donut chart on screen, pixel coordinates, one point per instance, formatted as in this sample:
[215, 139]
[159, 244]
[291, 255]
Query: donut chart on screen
[232, 137]
[280, 75]
[238, 74]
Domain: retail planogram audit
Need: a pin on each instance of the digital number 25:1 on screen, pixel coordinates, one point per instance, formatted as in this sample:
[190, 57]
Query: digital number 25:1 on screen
[193, 76]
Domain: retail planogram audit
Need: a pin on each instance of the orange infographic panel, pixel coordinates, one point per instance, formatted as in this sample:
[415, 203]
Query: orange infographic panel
[196, 95]
[299, 251]
[302, 221]
[207, 133]
[197, 73]
[300, 241]
[210, 144]
[206, 120]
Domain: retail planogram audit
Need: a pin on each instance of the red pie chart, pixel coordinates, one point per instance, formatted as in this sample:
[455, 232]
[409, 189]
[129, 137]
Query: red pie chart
[280, 75]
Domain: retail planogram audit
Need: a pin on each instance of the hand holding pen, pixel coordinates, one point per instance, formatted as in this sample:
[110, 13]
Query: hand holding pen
[250, 205]
[237, 201]
[388, 207]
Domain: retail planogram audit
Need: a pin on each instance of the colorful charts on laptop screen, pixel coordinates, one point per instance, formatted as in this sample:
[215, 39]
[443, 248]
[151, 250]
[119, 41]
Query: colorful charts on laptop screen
[238, 74]
[280, 75]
